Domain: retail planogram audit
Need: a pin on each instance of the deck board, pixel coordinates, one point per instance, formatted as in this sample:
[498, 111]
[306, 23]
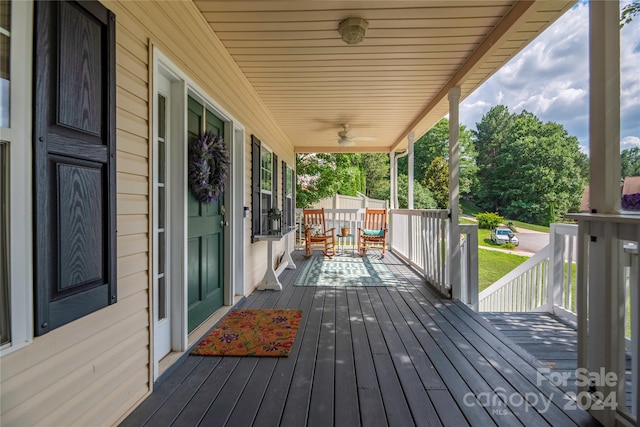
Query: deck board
[297, 404]
[347, 410]
[396, 356]
[550, 340]
[161, 394]
[272, 406]
[395, 403]
[369, 394]
[416, 395]
[322, 398]
[456, 373]
[525, 368]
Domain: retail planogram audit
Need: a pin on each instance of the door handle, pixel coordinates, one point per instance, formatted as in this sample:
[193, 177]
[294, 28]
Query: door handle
[224, 223]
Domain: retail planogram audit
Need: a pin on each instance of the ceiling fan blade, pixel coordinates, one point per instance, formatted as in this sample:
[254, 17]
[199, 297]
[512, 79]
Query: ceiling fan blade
[366, 138]
[346, 142]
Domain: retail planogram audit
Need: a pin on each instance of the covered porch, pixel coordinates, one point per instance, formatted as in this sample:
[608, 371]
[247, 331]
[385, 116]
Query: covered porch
[402, 355]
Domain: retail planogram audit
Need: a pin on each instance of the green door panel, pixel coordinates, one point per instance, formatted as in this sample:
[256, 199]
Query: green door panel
[205, 242]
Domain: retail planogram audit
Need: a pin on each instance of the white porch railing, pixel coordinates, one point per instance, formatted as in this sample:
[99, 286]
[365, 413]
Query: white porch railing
[588, 274]
[469, 264]
[419, 237]
[523, 289]
[545, 282]
[336, 218]
[607, 301]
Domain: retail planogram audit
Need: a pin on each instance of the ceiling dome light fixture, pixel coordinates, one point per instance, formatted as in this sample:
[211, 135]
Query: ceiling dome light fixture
[352, 30]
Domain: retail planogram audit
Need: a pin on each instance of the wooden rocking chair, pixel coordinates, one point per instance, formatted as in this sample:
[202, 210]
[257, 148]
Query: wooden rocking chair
[315, 232]
[374, 231]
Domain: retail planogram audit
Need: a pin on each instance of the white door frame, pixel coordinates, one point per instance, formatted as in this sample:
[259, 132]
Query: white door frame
[161, 329]
[181, 87]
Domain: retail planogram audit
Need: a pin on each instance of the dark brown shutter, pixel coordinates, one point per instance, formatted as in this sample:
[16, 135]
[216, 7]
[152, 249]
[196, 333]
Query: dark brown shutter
[255, 186]
[293, 197]
[274, 185]
[285, 218]
[74, 161]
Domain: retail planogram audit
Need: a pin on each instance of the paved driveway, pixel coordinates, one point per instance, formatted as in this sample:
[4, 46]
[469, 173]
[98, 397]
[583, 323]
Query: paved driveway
[532, 241]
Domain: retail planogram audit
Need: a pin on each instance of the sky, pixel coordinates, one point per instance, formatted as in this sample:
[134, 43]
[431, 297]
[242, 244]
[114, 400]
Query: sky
[550, 78]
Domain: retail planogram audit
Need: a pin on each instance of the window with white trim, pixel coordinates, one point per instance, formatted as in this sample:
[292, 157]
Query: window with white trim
[264, 183]
[160, 226]
[288, 196]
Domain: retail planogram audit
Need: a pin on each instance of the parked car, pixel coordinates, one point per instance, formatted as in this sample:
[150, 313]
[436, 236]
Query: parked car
[502, 235]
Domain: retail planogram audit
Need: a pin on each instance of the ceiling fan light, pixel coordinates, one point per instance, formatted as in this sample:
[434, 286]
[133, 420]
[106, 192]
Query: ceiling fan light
[346, 142]
[353, 30]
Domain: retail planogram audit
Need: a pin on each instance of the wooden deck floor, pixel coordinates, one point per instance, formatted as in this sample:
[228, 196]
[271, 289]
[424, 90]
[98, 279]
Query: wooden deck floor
[375, 356]
[552, 341]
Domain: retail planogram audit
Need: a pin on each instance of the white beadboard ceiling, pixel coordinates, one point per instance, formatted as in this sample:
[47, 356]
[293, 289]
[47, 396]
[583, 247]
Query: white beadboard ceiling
[394, 82]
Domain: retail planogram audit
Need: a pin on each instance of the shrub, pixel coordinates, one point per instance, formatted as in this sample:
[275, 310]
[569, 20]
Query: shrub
[488, 220]
[509, 246]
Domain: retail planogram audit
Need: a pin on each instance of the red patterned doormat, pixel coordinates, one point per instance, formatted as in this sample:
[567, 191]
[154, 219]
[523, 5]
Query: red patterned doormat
[252, 333]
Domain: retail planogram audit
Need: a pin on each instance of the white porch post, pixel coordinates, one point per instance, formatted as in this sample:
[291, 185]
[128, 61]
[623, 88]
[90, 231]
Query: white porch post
[410, 138]
[454, 193]
[603, 346]
[604, 106]
[393, 196]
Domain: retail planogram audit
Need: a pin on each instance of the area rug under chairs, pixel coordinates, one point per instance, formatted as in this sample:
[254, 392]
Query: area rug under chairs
[252, 333]
[343, 270]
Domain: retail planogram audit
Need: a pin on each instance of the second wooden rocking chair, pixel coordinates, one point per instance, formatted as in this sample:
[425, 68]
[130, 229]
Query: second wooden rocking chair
[373, 232]
[315, 232]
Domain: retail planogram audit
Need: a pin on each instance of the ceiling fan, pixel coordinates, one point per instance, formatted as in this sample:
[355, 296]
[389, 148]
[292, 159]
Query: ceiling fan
[347, 137]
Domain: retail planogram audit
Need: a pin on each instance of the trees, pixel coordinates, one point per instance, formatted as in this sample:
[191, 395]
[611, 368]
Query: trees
[435, 143]
[526, 169]
[376, 171]
[491, 134]
[529, 170]
[323, 175]
[629, 12]
[630, 162]
[422, 197]
[436, 180]
[320, 175]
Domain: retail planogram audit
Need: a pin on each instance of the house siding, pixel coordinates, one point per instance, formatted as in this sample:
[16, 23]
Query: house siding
[95, 370]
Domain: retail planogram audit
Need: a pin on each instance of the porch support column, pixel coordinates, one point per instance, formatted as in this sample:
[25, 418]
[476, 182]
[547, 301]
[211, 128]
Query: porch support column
[410, 138]
[455, 266]
[393, 176]
[604, 106]
[603, 346]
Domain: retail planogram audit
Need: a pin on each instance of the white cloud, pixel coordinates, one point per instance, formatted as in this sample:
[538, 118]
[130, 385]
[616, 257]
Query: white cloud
[550, 78]
[629, 142]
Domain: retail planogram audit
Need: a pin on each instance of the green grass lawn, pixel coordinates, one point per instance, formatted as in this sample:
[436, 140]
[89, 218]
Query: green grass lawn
[468, 207]
[493, 265]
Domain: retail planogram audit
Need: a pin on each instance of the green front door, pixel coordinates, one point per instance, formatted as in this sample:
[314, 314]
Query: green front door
[205, 252]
